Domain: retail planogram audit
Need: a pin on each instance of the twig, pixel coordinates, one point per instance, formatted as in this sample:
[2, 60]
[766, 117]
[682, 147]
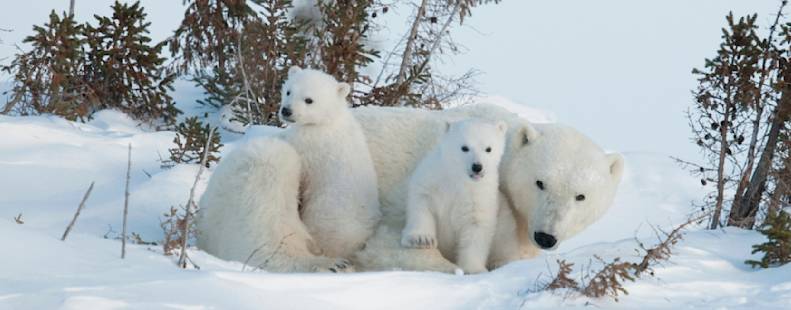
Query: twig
[126, 202]
[444, 30]
[190, 202]
[18, 219]
[406, 61]
[266, 261]
[247, 89]
[77, 214]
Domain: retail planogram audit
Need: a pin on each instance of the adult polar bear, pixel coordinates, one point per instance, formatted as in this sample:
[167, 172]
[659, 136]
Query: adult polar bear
[554, 182]
[577, 182]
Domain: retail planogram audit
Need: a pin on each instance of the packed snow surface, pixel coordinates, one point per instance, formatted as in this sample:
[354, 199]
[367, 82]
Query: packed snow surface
[47, 163]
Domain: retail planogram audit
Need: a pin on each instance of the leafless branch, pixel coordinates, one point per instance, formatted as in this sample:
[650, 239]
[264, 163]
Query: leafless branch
[77, 214]
[126, 202]
[190, 203]
[406, 60]
[266, 261]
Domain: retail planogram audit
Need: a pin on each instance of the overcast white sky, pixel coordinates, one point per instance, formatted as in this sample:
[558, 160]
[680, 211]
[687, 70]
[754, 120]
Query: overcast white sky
[618, 70]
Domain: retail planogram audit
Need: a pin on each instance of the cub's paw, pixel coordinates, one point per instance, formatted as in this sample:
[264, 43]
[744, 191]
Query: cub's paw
[419, 241]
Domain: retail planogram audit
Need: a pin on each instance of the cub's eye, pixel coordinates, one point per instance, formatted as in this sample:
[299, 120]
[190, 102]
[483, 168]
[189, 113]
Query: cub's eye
[288, 93]
[488, 150]
[540, 185]
[308, 100]
[580, 197]
[465, 149]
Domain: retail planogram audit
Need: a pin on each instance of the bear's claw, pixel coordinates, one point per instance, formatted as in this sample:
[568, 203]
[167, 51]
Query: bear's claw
[340, 265]
[419, 241]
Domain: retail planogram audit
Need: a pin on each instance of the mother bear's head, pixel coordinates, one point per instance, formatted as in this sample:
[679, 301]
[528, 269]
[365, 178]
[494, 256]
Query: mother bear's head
[557, 180]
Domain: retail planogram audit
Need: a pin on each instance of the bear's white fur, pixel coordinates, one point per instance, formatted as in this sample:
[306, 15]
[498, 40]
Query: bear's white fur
[452, 197]
[399, 138]
[235, 223]
[322, 185]
[566, 161]
[340, 202]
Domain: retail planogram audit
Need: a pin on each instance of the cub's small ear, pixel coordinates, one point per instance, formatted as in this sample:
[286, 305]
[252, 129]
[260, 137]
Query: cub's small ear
[344, 89]
[526, 134]
[502, 127]
[616, 163]
[294, 70]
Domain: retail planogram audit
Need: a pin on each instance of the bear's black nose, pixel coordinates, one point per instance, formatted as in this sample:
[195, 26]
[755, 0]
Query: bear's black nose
[285, 111]
[476, 167]
[544, 240]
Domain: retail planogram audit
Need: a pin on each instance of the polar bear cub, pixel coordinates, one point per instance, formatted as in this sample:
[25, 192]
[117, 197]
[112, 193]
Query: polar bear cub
[452, 194]
[339, 192]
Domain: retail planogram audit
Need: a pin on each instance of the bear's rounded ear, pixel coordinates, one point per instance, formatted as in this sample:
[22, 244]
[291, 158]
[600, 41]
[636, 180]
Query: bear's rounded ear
[294, 70]
[616, 162]
[344, 89]
[526, 134]
[502, 127]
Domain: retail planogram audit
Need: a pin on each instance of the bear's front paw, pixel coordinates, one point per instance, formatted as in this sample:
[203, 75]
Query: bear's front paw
[419, 241]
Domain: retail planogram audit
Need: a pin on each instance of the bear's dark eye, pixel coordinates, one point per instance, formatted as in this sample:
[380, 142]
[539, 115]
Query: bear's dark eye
[488, 150]
[288, 93]
[465, 149]
[308, 100]
[540, 185]
[580, 197]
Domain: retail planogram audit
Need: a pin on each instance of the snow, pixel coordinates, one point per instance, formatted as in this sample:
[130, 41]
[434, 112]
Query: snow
[616, 70]
[46, 163]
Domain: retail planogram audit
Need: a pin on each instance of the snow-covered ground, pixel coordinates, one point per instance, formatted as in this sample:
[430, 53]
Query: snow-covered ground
[46, 164]
[617, 70]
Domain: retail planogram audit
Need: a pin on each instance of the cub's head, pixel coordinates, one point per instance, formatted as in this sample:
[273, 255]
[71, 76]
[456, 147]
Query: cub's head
[475, 146]
[311, 97]
[558, 180]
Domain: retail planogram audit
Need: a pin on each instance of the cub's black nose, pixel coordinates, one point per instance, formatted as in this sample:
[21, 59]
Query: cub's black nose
[285, 111]
[476, 167]
[544, 240]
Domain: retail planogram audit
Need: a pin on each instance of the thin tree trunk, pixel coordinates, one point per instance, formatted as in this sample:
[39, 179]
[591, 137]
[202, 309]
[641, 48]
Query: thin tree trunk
[715, 219]
[406, 61]
[77, 214]
[438, 40]
[443, 31]
[190, 202]
[126, 202]
[71, 7]
[766, 70]
[751, 199]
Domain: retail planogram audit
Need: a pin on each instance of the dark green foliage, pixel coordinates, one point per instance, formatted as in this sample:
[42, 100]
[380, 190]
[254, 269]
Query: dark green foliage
[777, 249]
[220, 87]
[51, 77]
[208, 33]
[344, 27]
[74, 70]
[239, 51]
[191, 142]
[270, 44]
[126, 71]
[738, 115]
[249, 60]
